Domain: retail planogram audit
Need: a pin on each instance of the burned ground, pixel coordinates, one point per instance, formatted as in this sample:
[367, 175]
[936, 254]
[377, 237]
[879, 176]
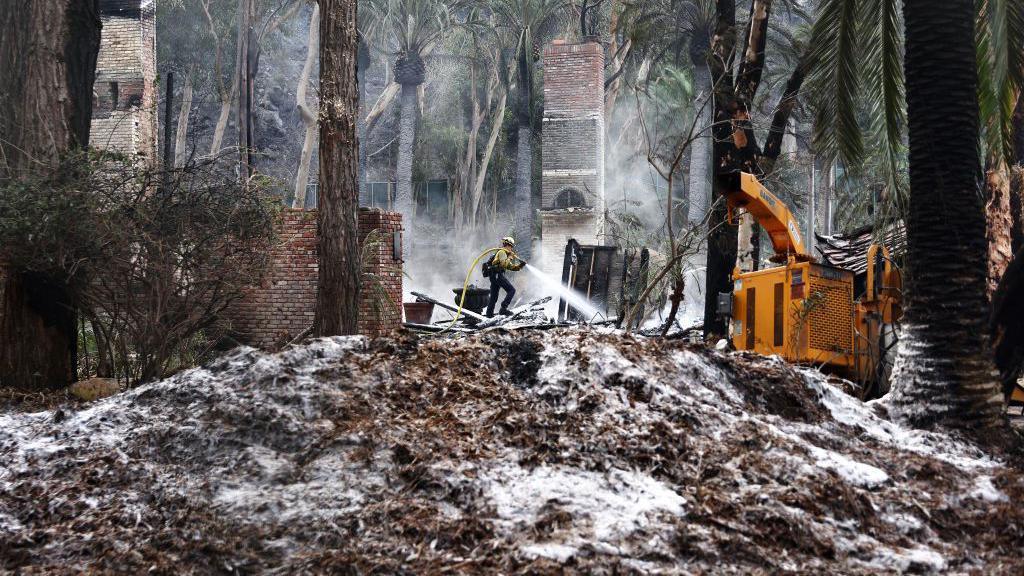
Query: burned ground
[499, 452]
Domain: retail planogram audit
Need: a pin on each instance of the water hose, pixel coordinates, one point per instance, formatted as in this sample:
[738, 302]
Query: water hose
[465, 285]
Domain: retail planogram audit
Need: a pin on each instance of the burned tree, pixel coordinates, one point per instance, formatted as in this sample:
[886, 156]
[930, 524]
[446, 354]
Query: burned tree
[944, 372]
[735, 142]
[48, 51]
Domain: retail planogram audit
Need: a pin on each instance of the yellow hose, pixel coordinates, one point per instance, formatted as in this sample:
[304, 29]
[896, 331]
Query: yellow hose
[469, 274]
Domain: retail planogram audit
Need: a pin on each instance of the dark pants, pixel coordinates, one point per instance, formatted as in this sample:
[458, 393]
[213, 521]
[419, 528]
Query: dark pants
[499, 281]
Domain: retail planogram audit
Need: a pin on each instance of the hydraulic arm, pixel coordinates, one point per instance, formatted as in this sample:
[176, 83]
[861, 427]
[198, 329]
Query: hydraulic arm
[771, 213]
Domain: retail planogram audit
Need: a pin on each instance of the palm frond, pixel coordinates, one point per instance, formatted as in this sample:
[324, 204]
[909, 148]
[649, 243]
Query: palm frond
[885, 97]
[835, 81]
[1000, 58]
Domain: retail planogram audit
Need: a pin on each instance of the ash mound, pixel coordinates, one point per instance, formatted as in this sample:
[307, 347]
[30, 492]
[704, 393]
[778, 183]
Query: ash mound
[540, 452]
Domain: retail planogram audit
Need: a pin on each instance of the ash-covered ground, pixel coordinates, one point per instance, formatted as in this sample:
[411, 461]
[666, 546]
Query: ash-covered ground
[560, 451]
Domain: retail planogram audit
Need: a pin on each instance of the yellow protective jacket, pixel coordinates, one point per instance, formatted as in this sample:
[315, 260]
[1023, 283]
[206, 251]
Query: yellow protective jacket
[506, 259]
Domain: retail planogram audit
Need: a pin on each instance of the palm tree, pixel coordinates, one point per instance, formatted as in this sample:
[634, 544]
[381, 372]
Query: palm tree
[526, 21]
[944, 371]
[671, 27]
[412, 28]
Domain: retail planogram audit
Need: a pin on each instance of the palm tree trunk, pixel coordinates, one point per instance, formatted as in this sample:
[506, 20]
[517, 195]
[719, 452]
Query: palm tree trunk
[523, 223]
[700, 150]
[944, 372]
[404, 201]
[337, 299]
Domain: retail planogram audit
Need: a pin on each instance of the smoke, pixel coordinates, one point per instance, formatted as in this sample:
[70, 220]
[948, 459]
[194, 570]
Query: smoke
[439, 257]
[636, 194]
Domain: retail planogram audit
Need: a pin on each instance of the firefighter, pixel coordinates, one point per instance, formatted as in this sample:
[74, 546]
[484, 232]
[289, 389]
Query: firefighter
[504, 259]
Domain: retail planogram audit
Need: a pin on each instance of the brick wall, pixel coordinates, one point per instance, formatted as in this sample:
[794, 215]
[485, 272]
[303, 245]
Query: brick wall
[124, 106]
[283, 307]
[558, 227]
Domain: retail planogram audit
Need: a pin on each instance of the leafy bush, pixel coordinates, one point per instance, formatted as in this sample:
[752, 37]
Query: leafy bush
[150, 257]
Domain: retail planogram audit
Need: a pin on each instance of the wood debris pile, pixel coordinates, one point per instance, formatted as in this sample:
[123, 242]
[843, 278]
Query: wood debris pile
[571, 450]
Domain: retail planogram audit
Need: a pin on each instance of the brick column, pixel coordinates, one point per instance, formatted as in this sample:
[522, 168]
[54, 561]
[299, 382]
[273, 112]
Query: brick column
[573, 122]
[274, 313]
[380, 297]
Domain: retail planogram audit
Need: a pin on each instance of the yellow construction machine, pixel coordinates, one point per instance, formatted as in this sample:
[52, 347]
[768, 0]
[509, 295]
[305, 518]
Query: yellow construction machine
[808, 312]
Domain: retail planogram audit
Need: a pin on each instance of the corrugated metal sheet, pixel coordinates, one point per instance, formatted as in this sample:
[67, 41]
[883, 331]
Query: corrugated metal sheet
[850, 251]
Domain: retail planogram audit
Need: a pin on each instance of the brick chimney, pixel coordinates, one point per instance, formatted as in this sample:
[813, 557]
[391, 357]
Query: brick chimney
[572, 182]
[124, 115]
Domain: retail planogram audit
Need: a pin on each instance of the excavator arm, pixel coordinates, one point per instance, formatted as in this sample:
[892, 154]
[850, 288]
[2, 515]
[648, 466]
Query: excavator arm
[771, 213]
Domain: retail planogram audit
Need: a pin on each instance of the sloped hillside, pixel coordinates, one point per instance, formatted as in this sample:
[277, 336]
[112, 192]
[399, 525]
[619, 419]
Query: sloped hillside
[530, 452]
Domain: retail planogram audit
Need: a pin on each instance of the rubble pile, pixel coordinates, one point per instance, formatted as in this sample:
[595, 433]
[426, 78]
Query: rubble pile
[570, 449]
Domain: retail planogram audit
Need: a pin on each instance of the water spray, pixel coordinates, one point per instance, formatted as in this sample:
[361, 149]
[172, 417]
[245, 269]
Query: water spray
[574, 298]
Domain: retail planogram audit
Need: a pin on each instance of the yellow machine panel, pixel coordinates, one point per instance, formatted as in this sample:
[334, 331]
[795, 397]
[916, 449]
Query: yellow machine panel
[801, 311]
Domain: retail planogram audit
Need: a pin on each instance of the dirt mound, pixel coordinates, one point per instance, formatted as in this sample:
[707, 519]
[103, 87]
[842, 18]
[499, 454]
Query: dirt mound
[539, 452]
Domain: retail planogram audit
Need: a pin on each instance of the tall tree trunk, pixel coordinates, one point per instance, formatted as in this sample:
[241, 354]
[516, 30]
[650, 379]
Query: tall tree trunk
[735, 144]
[181, 138]
[245, 85]
[222, 119]
[467, 167]
[337, 299]
[362, 66]
[721, 236]
[999, 228]
[700, 150]
[485, 161]
[308, 118]
[48, 54]
[251, 71]
[944, 372]
[404, 200]
[523, 223]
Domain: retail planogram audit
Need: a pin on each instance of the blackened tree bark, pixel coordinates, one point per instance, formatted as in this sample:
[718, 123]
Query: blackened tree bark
[1017, 178]
[337, 301]
[944, 371]
[48, 54]
[735, 147]
[523, 225]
